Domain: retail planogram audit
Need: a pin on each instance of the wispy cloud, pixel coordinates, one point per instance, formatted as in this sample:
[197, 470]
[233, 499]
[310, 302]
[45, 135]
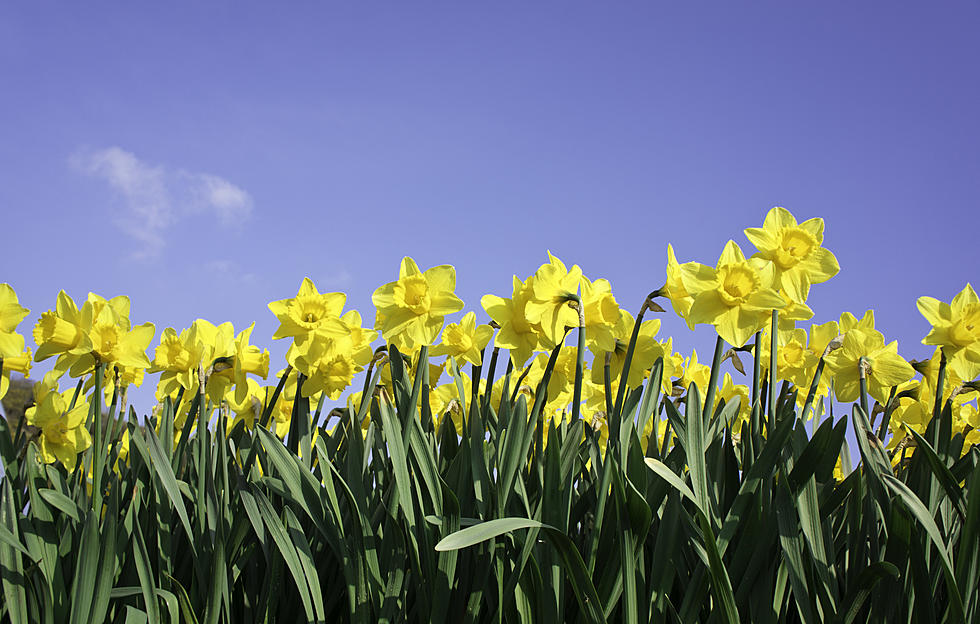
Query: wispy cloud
[155, 198]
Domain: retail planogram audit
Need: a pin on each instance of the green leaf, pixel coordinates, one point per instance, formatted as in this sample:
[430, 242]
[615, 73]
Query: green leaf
[61, 502]
[919, 511]
[13, 580]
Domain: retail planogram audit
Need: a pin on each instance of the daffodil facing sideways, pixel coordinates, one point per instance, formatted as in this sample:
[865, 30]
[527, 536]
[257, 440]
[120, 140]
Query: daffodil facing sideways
[517, 334]
[554, 287]
[955, 328]
[884, 367]
[795, 362]
[15, 357]
[63, 434]
[602, 315]
[795, 251]
[674, 288]
[412, 309]
[464, 340]
[694, 372]
[59, 332]
[247, 359]
[736, 296]
[11, 312]
[645, 353]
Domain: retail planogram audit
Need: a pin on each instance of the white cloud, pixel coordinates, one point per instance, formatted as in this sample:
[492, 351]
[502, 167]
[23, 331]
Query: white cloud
[155, 198]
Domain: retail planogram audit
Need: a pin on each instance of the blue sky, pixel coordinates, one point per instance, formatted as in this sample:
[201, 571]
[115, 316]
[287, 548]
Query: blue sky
[204, 159]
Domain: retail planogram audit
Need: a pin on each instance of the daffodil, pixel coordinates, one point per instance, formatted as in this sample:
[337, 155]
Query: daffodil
[444, 401]
[59, 332]
[308, 312]
[885, 367]
[63, 433]
[113, 340]
[695, 372]
[955, 328]
[248, 409]
[554, 286]
[330, 373]
[736, 296]
[247, 359]
[411, 310]
[795, 251]
[796, 362]
[731, 391]
[820, 336]
[15, 358]
[673, 365]
[517, 333]
[464, 340]
[674, 288]
[202, 346]
[602, 314]
[645, 353]
[791, 312]
[11, 312]
[848, 321]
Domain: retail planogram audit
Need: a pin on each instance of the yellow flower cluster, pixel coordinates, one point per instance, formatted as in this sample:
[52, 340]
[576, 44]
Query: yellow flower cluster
[329, 346]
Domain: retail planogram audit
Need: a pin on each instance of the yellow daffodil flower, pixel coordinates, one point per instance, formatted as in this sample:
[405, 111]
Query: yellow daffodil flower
[60, 333]
[731, 391]
[820, 336]
[517, 333]
[63, 433]
[680, 299]
[955, 328]
[736, 296]
[553, 287]
[848, 321]
[247, 359]
[113, 341]
[695, 372]
[247, 409]
[464, 340]
[791, 312]
[411, 310]
[308, 312]
[795, 361]
[16, 358]
[331, 373]
[11, 312]
[645, 353]
[886, 368]
[795, 251]
[602, 314]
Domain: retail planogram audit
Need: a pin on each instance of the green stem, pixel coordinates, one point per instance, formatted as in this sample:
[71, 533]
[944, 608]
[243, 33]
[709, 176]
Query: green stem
[490, 372]
[628, 361]
[607, 384]
[97, 455]
[773, 353]
[709, 395]
[812, 393]
[579, 363]
[757, 382]
[937, 408]
[863, 382]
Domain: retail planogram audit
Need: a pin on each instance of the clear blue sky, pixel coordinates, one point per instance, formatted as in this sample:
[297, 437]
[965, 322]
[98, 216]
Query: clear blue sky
[203, 158]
